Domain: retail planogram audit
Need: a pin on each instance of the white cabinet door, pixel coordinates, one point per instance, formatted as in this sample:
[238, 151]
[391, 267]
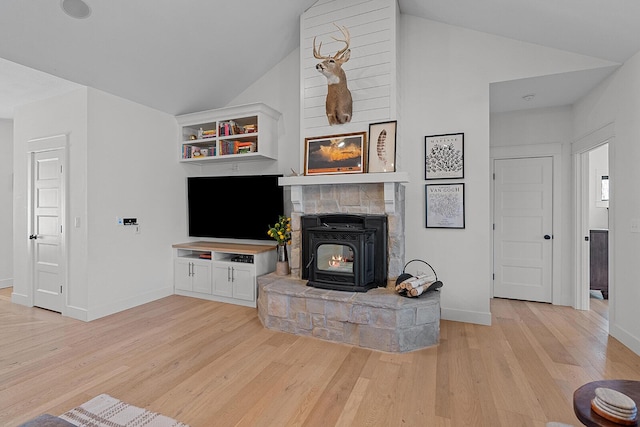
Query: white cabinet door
[234, 280]
[222, 284]
[201, 276]
[182, 274]
[192, 275]
[243, 283]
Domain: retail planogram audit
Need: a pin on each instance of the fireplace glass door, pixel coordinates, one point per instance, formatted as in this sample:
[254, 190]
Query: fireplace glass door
[335, 258]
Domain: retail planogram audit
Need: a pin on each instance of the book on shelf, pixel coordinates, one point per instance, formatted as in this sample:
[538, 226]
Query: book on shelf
[244, 147]
[236, 147]
[194, 152]
[230, 127]
[209, 134]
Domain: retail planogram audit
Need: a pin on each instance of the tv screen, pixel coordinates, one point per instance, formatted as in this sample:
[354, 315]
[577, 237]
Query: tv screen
[234, 207]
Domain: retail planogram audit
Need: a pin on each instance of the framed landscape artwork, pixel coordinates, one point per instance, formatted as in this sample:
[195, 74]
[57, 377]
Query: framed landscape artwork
[382, 147]
[335, 154]
[444, 205]
[444, 156]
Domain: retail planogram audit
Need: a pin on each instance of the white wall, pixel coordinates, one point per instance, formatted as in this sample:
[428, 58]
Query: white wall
[122, 161]
[279, 89]
[617, 101]
[6, 203]
[532, 127]
[132, 171]
[445, 73]
[598, 166]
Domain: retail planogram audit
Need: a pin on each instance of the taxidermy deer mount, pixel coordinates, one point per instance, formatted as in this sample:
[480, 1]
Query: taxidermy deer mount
[338, 104]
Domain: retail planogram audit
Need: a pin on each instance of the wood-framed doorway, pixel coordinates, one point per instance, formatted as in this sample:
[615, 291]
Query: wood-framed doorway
[580, 156]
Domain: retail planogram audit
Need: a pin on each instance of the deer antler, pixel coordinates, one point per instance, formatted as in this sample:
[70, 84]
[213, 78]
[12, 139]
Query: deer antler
[346, 41]
[316, 53]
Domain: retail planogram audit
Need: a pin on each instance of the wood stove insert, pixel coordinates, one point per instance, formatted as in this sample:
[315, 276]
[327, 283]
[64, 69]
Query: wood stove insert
[344, 252]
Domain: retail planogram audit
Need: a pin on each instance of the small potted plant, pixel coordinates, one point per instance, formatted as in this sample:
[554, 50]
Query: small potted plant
[281, 232]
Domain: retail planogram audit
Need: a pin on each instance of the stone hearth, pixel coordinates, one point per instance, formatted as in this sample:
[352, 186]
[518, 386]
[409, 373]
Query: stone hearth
[379, 319]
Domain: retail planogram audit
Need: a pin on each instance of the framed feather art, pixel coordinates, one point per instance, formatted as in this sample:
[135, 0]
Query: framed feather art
[382, 147]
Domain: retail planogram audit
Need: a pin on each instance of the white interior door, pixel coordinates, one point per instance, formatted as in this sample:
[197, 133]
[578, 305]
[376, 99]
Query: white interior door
[523, 229]
[46, 229]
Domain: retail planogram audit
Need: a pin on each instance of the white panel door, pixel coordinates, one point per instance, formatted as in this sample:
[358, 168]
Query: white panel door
[523, 235]
[46, 229]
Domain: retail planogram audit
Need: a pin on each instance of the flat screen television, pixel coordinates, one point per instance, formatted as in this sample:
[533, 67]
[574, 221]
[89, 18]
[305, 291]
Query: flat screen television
[234, 207]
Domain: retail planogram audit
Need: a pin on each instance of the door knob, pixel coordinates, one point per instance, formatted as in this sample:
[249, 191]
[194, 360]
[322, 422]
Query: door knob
[33, 236]
[547, 237]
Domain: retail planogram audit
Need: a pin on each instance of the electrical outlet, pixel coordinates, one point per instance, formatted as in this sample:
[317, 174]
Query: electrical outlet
[235, 167]
[635, 225]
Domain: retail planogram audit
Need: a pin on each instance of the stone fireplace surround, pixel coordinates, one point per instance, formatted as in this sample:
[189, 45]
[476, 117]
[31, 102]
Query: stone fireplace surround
[379, 319]
[370, 193]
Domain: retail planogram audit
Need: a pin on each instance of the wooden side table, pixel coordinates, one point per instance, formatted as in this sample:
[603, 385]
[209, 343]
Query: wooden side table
[583, 395]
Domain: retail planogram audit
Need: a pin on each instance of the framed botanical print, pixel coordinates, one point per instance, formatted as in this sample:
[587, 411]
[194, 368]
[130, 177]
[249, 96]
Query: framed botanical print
[444, 156]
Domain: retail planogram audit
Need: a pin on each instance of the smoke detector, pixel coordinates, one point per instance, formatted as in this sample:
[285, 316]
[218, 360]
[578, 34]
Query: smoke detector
[76, 8]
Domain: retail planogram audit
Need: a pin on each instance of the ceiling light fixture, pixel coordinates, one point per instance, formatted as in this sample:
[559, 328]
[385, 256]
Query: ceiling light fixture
[529, 97]
[76, 8]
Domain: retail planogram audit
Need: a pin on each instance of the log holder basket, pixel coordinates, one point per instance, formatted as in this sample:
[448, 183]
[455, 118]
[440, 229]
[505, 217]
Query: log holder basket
[437, 284]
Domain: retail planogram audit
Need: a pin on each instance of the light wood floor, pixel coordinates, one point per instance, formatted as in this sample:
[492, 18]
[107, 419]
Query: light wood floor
[210, 364]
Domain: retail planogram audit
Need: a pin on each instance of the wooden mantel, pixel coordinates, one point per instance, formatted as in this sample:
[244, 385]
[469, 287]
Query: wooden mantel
[389, 180]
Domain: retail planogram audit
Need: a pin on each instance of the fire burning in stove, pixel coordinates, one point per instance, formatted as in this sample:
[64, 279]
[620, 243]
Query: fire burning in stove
[340, 260]
[336, 261]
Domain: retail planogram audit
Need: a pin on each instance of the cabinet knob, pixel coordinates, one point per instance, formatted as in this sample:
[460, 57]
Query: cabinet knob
[547, 237]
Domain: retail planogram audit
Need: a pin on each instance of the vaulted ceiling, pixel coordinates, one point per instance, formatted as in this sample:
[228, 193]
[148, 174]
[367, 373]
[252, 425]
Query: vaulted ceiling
[186, 56]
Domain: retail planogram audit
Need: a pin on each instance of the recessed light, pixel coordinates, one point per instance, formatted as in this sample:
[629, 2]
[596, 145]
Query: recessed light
[76, 8]
[529, 97]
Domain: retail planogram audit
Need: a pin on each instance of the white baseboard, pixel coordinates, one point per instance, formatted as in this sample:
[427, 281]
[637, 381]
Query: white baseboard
[21, 299]
[75, 313]
[106, 310]
[6, 283]
[626, 338]
[465, 316]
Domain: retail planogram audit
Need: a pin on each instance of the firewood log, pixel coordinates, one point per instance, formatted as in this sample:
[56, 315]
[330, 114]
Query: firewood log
[420, 289]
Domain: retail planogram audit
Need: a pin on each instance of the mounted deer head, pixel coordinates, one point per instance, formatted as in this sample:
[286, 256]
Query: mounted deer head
[338, 104]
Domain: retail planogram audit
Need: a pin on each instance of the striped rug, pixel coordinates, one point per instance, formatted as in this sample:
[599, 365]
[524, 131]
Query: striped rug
[106, 411]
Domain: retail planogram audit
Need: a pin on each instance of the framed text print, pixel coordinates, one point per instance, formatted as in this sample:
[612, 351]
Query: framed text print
[444, 205]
